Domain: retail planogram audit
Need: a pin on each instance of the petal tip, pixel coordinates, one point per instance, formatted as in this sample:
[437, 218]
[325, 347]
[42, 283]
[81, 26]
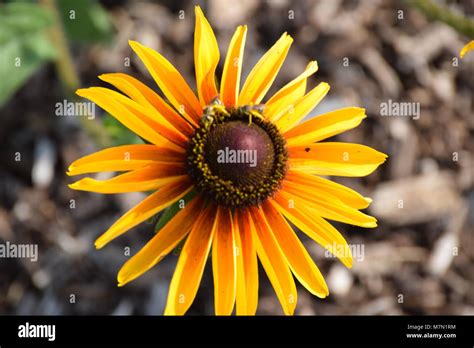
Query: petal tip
[371, 224]
[361, 111]
[99, 243]
[323, 294]
[383, 158]
[82, 92]
[121, 280]
[134, 44]
[312, 65]
[241, 28]
[286, 38]
[105, 77]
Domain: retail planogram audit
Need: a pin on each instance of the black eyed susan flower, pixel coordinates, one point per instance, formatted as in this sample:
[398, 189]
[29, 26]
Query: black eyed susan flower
[250, 168]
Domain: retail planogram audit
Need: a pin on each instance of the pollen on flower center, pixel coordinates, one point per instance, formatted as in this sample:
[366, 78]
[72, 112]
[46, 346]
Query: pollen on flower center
[236, 158]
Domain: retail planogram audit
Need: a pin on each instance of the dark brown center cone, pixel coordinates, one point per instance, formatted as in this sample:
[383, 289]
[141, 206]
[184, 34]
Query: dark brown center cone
[240, 152]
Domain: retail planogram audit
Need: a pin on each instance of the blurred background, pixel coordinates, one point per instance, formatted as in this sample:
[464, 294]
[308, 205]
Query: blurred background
[420, 259]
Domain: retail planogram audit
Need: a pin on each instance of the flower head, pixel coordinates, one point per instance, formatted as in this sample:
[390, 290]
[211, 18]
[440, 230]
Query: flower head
[245, 169]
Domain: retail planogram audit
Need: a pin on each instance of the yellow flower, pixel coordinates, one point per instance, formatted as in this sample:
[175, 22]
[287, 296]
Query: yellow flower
[254, 168]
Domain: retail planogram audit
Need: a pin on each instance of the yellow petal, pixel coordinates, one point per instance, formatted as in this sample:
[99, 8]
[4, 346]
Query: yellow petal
[324, 126]
[300, 262]
[123, 158]
[467, 48]
[150, 206]
[223, 264]
[289, 94]
[162, 243]
[329, 209]
[265, 71]
[170, 81]
[332, 158]
[291, 115]
[324, 187]
[125, 116]
[315, 227]
[274, 263]
[191, 263]
[150, 117]
[146, 97]
[247, 267]
[206, 58]
[150, 178]
[230, 83]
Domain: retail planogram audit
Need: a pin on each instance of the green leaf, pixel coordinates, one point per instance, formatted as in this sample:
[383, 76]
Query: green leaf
[24, 45]
[85, 21]
[172, 210]
[118, 133]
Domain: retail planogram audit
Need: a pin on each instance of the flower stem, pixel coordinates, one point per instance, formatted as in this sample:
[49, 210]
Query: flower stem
[68, 75]
[443, 14]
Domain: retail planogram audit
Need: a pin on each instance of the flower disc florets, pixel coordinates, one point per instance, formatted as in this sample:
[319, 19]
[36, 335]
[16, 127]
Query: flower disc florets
[235, 157]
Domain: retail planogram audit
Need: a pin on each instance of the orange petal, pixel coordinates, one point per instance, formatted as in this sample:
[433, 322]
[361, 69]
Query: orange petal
[192, 260]
[146, 97]
[289, 94]
[170, 81]
[230, 83]
[274, 263]
[247, 267]
[324, 187]
[293, 114]
[140, 126]
[162, 243]
[149, 116]
[324, 126]
[329, 209]
[315, 227]
[149, 178]
[333, 158]
[206, 58]
[223, 264]
[265, 71]
[150, 206]
[123, 158]
[300, 262]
